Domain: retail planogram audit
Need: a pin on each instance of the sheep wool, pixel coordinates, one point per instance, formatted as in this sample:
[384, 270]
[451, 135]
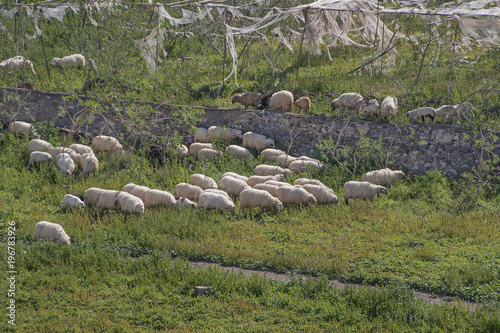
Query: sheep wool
[222, 192]
[17, 62]
[51, 231]
[91, 196]
[208, 200]
[361, 190]
[39, 157]
[292, 195]
[304, 181]
[233, 186]
[156, 198]
[21, 127]
[464, 109]
[351, 101]
[137, 190]
[370, 108]
[257, 141]
[201, 135]
[276, 183]
[58, 150]
[89, 164]
[384, 177]
[71, 200]
[422, 112]
[389, 107]
[65, 164]
[108, 200]
[303, 103]
[184, 202]
[239, 152]
[209, 154]
[220, 133]
[254, 180]
[247, 99]
[271, 155]
[74, 60]
[267, 170]
[130, 204]
[192, 192]
[285, 160]
[194, 148]
[39, 145]
[271, 188]
[254, 198]
[106, 144]
[302, 165]
[281, 101]
[235, 175]
[203, 181]
[81, 149]
[324, 195]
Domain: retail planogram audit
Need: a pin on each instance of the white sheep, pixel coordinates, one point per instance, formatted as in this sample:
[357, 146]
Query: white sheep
[184, 202]
[224, 193]
[210, 200]
[108, 200]
[233, 186]
[89, 164]
[65, 164]
[446, 111]
[209, 154]
[254, 180]
[235, 175]
[130, 204]
[58, 150]
[91, 196]
[106, 144]
[324, 195]
[247, 99]
[389, 107]
[303, 103]
[201, 135]
[267, 170]
[351, 101]
[39, 157]
[285, 160]
[361, 190]
[271, 155]
[254, 198]
[16, 62]
[195, 147]
[39, 145]
[220, 133]
[281, 101]
[384, 177]
[276, 183]
[302, 165]
[422, 112]
[239, 152]
[292, 195]
[136, 190]
[71, 200]
[181, 151]
[51, 231]
[304, 181]
[203, 181]
[74, 60]
[155, 198]
[192, 192]
[465, 109]
[81, 149]
[22, 127]
[271, 188]
[370, 108]
[257, 141]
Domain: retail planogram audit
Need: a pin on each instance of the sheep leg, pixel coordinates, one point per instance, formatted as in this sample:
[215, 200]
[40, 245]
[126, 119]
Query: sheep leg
[346, 201]
[423, 119]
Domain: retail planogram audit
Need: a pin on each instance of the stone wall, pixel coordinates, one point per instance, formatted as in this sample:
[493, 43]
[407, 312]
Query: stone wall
[415, 148]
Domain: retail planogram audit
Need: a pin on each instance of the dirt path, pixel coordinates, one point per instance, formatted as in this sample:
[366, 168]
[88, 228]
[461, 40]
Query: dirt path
[431, 298]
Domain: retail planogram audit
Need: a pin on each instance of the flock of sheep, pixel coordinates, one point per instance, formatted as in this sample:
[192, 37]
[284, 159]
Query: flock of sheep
[283, 101]
[74, 60]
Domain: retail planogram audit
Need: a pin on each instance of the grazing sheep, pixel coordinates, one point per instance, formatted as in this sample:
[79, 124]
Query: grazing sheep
[156, 152]
[370, 108]
[303, 103]
[181, 151]
[203, 181]
[106, 144]
[130, 204]
[362, 190]
[39, 145]
[285, 160]
[239, 152]
[281, 101]
[253, 198]
[108, 200]
[271, 155]
[235, 175]
[74, 60]
[58, 150]
[184, 202]
[72, 201]
[302, 165]
[267, 170]
[51, 231]
[257, 141]
[137, 190]
[224, 193]
[264, 102]
[304, 181]
[89, 164]
[464, 109]
[39, 157]
[192, 192]
[271, 188]
[201, 135]
[81, 149]
[21, 127]
[254, 180]
[16, 62]
[194, 148]
[233, 186]
[384, 177]
[155, 198]
[247, 99]
[210, 200]
[91, 196]
[220, 133]
[324, 195]
[209, 154]
[389, 107]
[276, 183]
[292, 195]
[65, 164]
[351, 101]
[445, 111]
[422, 112]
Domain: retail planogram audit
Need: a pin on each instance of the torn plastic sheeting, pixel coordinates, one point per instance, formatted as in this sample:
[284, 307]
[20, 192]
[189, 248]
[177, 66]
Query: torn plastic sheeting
[188, 17]
[148, 47]
[9, 13]
[58, 12]
[35, 14]
[485, 30]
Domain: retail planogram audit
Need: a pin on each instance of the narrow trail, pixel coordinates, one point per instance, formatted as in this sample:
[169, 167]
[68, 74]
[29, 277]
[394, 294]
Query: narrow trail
[431, 298]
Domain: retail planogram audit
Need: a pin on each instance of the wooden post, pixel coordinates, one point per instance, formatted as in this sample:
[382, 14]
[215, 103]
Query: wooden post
[225, 47]
[306, 22]
[45, 57]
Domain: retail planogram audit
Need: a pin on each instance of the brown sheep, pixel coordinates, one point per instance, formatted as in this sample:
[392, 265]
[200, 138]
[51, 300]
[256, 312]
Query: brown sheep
[247, 99]
[303, 103]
